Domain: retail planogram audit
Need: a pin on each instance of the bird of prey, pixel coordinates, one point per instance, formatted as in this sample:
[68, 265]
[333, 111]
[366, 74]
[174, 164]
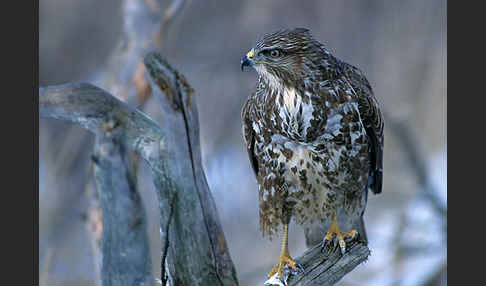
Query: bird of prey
[314, 134]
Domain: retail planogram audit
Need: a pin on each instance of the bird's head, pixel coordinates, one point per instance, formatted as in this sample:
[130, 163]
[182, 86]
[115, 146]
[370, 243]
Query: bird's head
[286, 55]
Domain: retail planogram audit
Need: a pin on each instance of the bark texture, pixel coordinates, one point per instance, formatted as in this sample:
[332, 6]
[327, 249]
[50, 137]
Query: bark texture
[124, 243]
[194, 249]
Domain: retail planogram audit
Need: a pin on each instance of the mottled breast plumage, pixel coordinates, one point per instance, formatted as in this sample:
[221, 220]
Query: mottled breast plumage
[306, 137]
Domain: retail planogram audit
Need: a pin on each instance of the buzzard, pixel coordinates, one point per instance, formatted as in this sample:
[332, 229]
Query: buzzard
[314, 134]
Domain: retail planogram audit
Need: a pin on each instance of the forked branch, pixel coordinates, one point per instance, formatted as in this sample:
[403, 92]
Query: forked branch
[197, 253]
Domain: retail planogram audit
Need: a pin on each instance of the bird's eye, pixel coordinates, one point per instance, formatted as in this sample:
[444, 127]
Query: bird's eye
[275, 53]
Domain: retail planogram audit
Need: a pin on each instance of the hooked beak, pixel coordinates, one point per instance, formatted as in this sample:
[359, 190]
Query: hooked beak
[247, 60]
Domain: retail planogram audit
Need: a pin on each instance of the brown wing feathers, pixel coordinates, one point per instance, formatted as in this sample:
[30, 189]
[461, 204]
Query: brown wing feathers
[372, 120]
[249, 137]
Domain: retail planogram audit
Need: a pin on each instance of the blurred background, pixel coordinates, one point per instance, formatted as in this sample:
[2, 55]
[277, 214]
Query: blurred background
[399, 45]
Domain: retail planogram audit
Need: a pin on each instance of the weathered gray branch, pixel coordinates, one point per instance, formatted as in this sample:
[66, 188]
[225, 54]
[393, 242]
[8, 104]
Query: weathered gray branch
[197, 253]
[179, 113]
[194, 246]
[125, 246]
[329, 266]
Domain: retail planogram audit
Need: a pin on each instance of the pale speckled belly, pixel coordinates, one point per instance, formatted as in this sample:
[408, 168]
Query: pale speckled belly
[309, 170]
[306, 171]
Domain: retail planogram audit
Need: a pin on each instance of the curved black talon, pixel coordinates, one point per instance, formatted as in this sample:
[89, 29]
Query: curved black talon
[343, 250]
[300, 268]
[350, 238]
[324, 243]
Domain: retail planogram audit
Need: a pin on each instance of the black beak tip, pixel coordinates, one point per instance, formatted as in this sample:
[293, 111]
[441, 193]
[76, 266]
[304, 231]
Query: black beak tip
[245, 62]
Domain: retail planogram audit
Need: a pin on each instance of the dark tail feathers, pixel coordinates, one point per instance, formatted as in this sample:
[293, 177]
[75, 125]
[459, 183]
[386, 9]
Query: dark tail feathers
[360, 227]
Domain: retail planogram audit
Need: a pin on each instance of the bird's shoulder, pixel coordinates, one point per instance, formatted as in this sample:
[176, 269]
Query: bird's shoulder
[368, 105]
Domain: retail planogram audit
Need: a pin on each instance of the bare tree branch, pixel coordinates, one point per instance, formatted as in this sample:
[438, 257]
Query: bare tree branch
[122, 75]
[145, 27]
[125, 246]
[197, 254]
[90, 107]
[179, 113]
[328, 267]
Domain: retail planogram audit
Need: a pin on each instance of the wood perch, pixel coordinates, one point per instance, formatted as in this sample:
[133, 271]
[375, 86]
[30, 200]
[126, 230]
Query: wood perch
[329, 266]
[125, 245]
[192, 237]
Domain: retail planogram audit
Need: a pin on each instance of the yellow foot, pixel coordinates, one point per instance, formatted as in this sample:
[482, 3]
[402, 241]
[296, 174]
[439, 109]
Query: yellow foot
[284, 261]
[335, 231]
